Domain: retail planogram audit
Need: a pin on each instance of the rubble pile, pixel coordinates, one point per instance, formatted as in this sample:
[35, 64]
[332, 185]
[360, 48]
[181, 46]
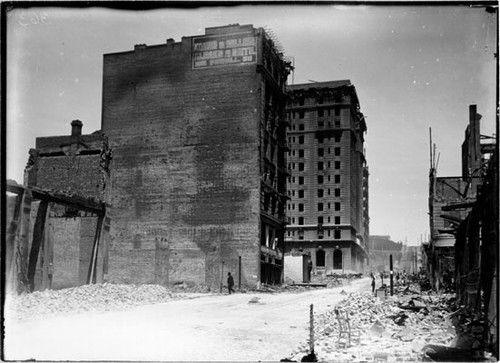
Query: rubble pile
[86, 298]
[394, 329]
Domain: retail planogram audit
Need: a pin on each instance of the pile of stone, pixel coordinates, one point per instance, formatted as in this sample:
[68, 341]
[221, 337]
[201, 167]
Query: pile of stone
[86, 298]
[387, 329]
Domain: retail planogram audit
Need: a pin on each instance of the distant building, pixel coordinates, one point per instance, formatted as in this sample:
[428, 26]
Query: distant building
[380, 250]
[328, 187]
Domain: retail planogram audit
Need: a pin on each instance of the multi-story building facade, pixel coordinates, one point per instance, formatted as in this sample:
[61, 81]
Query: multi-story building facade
[198, 176]
[328, 186]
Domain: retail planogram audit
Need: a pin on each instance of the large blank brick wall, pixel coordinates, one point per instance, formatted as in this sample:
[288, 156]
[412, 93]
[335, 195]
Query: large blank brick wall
[185, 179]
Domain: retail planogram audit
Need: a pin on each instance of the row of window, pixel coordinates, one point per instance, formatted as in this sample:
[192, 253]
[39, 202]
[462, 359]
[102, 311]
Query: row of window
[336, 234]
[321, 124]
[301, 180]
[321, 206]
[320, 112]
[321, 152]
[300, 139]
[320, 180]
[320, 220]
[321, 165]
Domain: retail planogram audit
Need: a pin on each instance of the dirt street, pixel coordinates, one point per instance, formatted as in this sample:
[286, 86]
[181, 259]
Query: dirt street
[251, 326]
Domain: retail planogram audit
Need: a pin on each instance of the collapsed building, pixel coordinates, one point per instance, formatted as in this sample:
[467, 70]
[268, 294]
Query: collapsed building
[57, 223]
[463, 211]
[328, 222]
[196, 185]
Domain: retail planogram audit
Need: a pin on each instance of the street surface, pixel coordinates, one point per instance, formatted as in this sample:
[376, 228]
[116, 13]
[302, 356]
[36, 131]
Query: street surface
[209, 327]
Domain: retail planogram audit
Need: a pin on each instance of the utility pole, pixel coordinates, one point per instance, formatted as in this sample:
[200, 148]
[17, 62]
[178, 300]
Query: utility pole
[239, 272]
[221, 277]
[391, 275]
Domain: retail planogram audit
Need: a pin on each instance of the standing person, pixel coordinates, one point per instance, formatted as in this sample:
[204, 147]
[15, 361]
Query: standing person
[373, 284]
[230, 283]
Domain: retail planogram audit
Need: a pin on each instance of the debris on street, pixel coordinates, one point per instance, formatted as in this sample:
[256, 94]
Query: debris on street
[396, 328]
[86, 298]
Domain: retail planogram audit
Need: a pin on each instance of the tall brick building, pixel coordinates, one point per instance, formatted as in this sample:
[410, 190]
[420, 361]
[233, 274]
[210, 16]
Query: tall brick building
[328, 210]
[198, 177]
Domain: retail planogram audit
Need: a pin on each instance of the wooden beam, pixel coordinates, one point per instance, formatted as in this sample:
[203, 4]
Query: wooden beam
[21, 243]
[449, 207]
[95, 248]
[11, 248]
[47, 253]
[37, 241]
[74, 201]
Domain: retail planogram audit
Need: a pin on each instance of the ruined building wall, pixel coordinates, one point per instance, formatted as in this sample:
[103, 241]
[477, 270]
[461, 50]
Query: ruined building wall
[73, 164]
[185, 173]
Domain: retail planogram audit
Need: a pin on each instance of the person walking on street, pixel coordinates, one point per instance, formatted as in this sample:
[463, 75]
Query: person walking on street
[230, 283]
[373, 284]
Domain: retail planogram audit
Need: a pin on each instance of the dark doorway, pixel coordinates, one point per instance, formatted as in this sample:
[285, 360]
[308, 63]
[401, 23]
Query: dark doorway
[337, 260]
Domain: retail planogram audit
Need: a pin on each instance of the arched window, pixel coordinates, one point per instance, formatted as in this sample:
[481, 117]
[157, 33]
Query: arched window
[337, 260]
[320, 258]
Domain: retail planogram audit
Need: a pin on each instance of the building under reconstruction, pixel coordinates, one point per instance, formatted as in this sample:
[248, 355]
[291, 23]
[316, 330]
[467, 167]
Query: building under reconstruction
[328, 221]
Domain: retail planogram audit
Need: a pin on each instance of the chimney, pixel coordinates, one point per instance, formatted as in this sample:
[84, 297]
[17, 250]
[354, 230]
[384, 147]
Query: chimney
[170, 41]
[76, 128]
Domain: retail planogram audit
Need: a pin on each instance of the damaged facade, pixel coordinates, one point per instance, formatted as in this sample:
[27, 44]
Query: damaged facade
[327, 213]
[198, 179]
[463, 250]
[57, 220]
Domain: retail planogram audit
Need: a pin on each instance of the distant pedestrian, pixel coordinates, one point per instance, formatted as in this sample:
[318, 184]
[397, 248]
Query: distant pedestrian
[373, 284]
[230, 283]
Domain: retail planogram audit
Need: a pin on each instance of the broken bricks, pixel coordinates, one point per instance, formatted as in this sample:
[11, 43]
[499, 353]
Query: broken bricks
[385, 326]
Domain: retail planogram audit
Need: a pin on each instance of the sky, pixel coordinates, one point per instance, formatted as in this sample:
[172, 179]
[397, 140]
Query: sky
[414, 68]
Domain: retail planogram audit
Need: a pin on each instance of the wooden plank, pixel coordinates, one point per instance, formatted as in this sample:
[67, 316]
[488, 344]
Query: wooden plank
[49, 259]
[74, 201]
[93, 262]
[37, 241]
[21, 243]
[10, 250]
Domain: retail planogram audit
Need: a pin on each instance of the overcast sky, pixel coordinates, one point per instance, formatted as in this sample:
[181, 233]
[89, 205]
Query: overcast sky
[413, 67]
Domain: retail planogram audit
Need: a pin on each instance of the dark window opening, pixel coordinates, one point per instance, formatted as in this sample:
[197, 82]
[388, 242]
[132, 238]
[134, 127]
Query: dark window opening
[320, 258]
